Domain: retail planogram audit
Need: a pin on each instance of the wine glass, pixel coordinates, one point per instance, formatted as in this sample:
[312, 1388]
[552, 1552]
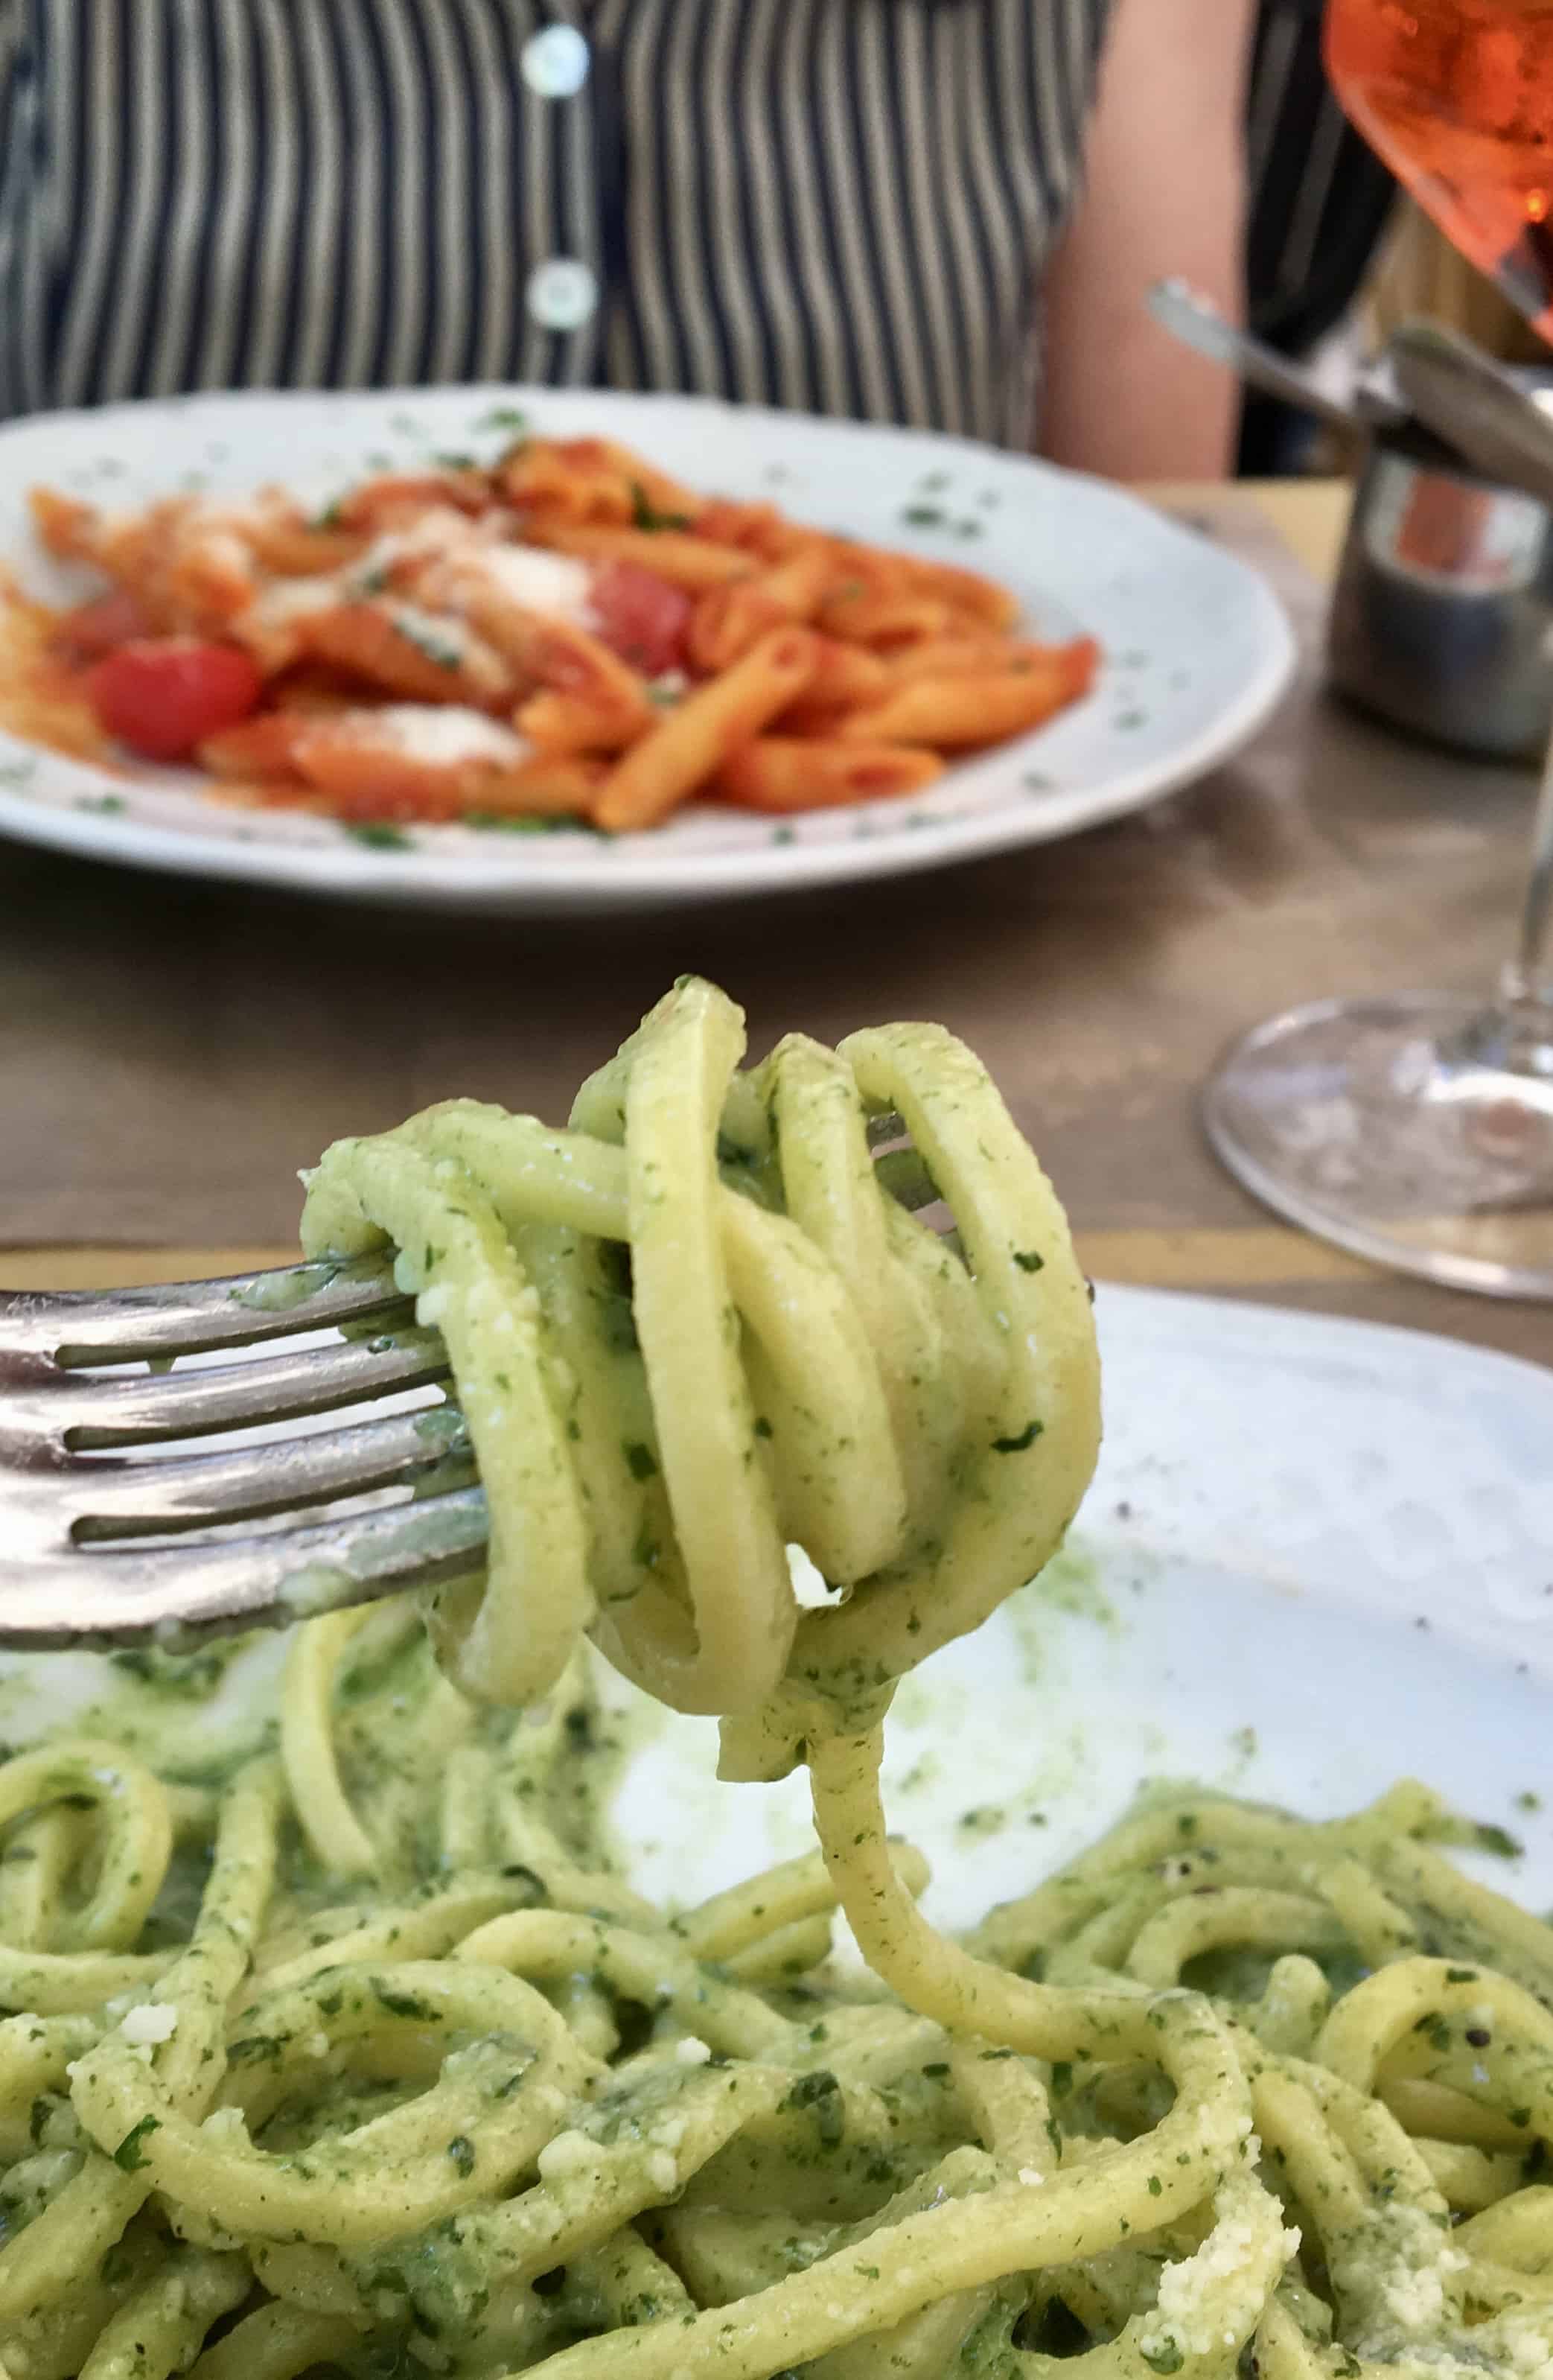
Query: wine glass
[1416, 1127]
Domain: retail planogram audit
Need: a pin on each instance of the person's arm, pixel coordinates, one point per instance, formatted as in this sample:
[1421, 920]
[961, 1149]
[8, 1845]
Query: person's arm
[1164, 194]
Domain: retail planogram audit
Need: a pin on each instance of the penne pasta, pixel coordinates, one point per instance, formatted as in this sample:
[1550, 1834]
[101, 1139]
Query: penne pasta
[573, 722]
[885, 618]
[692, 742]
[761, 527]
[66, 527]
[964, 590]
[593, 479]
[956, 712]
[731, 618]
[296, 547]
[314, 688]
[261, 749]
[565, 631]
[543, 651]
[786, 773]
[381, 763]
[951, 656]
[845, 674]
[397, 497]
[362, 781]
[409, 653]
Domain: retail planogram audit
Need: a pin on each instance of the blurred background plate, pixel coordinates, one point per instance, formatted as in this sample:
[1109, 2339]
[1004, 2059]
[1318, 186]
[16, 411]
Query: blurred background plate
[1197, 650]
[1318, 1557]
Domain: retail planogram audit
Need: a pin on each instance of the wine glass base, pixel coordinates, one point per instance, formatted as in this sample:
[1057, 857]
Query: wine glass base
[1394, 1127]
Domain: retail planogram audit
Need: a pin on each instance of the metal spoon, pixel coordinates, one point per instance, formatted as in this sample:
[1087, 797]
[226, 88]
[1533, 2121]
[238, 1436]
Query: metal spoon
[1198, 322]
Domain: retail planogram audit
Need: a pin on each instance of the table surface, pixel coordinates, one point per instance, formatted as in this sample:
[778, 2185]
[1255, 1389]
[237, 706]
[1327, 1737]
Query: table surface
[185, 1047]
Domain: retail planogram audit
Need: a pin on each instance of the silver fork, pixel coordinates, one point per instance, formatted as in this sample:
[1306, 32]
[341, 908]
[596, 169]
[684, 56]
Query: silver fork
[75, 1495]
[72, 1505]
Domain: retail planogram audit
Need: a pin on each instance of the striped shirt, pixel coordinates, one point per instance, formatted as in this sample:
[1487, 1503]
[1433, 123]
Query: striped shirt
[1319, 200]
[1320, 197]
[839, 205]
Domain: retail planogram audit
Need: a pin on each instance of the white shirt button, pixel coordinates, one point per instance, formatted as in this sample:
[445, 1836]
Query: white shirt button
[562, 293]
[555, 61]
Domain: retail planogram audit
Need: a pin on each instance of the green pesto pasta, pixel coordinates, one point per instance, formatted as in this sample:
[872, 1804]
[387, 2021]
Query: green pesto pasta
[459, 2101]
[696, 1329]
[361, 2058]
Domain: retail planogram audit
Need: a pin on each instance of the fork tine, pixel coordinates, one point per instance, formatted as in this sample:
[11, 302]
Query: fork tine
[72, 1573]
[123, 1499]
[188, 1317]
[75, 1411]
[173, 1593]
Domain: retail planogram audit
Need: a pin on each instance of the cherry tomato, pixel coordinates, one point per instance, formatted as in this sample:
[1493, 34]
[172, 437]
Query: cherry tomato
[164, 695]
[640, 617]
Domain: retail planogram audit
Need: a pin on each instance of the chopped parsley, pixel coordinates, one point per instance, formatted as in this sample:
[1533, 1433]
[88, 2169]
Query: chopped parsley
[130, 2156]
[511, 822]
[403, 2004]
[819, 2095]
[645, 516]
[380, 838]
[254, 2050]
[1026, 1439]
[446, 652]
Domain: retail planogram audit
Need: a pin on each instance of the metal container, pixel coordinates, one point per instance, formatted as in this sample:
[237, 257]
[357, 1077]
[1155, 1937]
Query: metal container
[1443, 613]
[1442, 618]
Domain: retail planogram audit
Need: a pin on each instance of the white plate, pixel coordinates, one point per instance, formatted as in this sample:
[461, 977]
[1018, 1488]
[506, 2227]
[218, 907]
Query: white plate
[1319, 1557]
[1198, 649]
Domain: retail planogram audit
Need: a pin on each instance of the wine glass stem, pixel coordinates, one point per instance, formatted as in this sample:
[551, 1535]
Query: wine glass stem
[1527, 984]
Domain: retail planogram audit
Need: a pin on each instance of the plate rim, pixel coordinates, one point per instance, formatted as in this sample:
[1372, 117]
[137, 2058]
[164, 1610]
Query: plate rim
[499, 880]
[1249, 1316]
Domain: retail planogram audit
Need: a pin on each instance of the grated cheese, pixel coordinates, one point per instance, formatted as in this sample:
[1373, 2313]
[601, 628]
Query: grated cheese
[442, 733]
[148, 2023]
[553, 584]
[568, 2153]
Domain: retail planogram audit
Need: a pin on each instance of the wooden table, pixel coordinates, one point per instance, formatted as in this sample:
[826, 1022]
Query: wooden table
[174, 1051]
